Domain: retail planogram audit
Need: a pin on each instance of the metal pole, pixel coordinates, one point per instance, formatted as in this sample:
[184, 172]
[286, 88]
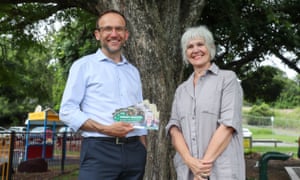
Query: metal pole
[298, 154]
[272, 121]
[63, 153]
[11, 153]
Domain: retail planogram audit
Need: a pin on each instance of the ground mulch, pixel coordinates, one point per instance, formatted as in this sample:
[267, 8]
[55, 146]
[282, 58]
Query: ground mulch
[49, 175]
[276, 170]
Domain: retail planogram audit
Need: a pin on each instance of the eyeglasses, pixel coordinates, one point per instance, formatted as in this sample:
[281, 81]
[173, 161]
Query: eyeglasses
[109, 29]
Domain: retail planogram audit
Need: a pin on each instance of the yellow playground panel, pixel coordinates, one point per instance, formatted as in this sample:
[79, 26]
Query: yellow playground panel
[48, 115]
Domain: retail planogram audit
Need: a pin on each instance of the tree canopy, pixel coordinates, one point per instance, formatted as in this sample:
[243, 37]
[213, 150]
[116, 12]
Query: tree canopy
[33, 67]
[247, 31]
[265, 84]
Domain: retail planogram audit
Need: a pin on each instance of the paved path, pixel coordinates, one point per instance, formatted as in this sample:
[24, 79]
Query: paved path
[278, 144]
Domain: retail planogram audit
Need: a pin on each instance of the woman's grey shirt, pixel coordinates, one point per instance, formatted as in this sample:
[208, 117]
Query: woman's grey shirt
[197, 112]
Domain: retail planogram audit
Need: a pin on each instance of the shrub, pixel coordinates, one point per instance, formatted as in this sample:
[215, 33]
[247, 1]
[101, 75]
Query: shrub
[260, 115]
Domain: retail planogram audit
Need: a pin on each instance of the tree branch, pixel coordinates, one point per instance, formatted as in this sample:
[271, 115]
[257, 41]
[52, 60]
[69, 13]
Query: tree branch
[89, 5]
[287, 61]
[191, 12]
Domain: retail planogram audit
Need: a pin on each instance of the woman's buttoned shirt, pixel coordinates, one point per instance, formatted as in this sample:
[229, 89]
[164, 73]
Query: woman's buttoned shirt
[198, 111]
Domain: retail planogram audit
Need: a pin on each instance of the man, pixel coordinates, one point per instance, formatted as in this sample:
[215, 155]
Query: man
[97, 85]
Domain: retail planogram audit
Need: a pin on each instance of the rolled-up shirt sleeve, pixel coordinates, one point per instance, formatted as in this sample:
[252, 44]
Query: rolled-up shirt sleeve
[232, 99]
[70, 112]
[174, 119]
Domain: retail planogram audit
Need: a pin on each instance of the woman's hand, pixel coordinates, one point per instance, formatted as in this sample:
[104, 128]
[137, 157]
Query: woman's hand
[200, 168]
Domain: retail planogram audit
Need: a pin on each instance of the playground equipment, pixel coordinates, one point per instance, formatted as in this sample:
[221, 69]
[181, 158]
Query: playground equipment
[263, 163]
[45, 147]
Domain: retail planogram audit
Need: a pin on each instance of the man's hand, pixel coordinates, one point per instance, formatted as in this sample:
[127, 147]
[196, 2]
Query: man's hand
[118, 129]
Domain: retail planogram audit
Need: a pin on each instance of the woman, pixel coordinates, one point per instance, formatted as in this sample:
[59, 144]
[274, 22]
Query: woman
[206, 124]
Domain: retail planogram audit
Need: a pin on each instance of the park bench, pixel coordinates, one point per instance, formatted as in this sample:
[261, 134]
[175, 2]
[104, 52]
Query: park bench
[274, 141]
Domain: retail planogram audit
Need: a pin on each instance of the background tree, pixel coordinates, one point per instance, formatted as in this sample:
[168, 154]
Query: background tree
[155, 29]
[22, 83]
[247, 31]
[265, 84]
[290, 95]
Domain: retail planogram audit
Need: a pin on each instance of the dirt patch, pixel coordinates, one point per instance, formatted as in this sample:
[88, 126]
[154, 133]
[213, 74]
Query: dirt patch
[36, 176]
[50, 175]
[276, 170]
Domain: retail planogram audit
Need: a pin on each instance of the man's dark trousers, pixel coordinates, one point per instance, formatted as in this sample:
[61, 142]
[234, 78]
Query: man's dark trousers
[101, 159]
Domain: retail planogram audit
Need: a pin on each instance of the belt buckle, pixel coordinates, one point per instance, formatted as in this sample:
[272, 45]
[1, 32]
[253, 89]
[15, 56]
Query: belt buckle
[118, 141]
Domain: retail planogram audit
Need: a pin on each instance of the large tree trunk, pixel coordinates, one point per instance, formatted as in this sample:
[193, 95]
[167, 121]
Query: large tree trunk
[154, 47]
[155, 30]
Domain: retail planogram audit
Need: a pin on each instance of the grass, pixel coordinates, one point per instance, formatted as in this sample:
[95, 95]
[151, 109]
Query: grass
[266, 133]
[69, 176]
[264, 149]
[287, 114]
[286, 135]
[286, 126]
[69, 153]
[283, 118]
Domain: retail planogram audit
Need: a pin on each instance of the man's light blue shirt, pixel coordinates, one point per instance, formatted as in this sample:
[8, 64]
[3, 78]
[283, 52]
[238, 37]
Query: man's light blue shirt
[95, 88]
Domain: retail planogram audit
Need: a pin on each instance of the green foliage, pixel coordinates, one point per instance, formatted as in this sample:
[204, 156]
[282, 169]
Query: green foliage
[247, 31]
[260, 131]
[289, 96]
[25, 79]
[260, 115]
[264, 84]
[29, 77]
[73, 41]
[33, 70]
[287, 118]
[288, 113]
[264, 149]
[287, 135]
[283, 119]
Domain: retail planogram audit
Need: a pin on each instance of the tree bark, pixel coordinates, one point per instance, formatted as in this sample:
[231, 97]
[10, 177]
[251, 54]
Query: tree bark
[154, 47]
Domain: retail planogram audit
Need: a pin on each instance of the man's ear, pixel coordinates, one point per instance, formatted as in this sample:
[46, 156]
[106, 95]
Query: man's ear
[126, 36]
[97, 34]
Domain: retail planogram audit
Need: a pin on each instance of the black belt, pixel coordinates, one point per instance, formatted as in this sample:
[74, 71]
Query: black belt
[117, 140]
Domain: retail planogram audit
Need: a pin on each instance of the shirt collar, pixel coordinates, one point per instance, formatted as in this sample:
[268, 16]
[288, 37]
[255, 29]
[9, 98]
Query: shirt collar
[214, 68]
[102, 57]
[189, 83]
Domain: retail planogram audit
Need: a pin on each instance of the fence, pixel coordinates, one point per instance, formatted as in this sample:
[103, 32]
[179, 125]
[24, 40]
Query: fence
[64, 155]
[6, 147]
[272, 122]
